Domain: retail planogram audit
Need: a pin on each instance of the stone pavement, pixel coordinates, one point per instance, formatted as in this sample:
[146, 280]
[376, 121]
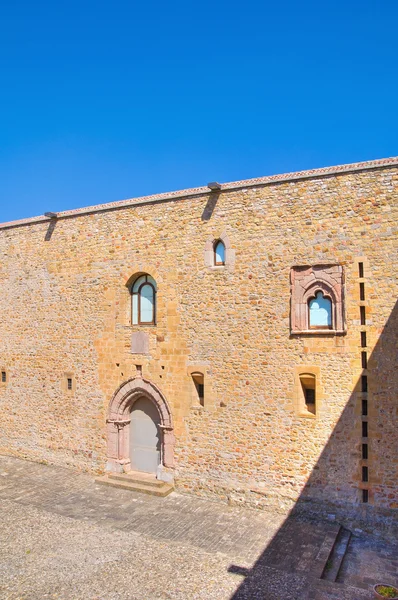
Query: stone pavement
[63, 536]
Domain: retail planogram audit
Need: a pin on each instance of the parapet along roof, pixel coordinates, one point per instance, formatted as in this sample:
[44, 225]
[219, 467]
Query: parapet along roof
[245, 183]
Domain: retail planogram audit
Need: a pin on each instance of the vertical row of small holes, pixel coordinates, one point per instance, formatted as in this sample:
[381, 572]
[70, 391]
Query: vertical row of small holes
[364, 384]
[3, 377]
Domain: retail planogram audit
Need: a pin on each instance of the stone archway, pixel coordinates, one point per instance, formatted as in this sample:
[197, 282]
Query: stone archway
[119, 419]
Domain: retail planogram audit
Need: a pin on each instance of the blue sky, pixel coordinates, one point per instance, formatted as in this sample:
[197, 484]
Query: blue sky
[102, 101]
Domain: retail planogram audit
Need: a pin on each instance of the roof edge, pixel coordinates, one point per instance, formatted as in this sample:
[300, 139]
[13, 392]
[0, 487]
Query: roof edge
[199, 191]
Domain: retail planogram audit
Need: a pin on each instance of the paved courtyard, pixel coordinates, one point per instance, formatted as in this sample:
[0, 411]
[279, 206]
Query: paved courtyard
[63, 536]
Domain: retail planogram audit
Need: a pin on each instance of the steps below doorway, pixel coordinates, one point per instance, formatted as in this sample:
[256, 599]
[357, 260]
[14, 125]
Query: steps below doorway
[136, 482]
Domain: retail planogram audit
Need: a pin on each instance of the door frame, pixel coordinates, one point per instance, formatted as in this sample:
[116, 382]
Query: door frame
[119, 418]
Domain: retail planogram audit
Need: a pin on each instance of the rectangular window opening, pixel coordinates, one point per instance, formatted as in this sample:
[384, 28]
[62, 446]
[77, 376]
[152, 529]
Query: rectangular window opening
[364, 408]
[365, 451]
[364, 429]
[360, 269]
[69, 383]
[365, 496]
[364, 359]
[363, 339]
[362, 313]
[3, 377]
[198, 380]
[362, 291]
[307, 381]
[365, 474]
[364, 383]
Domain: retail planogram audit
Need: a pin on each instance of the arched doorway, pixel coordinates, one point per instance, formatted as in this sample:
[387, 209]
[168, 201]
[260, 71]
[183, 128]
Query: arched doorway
[139, 429]
[145, 436]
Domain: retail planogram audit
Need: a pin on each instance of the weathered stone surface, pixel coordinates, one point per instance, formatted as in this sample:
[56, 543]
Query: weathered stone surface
[139, 343]
[65, 308]
[76, 539]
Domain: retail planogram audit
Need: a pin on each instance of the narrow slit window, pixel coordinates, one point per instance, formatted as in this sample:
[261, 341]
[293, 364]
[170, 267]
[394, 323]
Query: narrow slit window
[219, 253]
[320, 312]
[363, 339]
[364, 383]
[364, 429]
[3, 377]
[360, 269]
[364, 359]
[365, 451]
[364, 408]
[365, 496]
[362, 313]
[69, 383]
[362, 291]
[365, 474]
[198, 380]
[308, 385]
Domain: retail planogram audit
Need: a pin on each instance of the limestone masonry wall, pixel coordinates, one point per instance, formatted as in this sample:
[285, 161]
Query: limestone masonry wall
[65, 315]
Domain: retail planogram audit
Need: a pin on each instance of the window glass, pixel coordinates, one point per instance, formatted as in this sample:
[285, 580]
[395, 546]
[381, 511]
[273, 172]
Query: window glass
[151, 280]
[135, 309]
[219, 253]
[320, 309]
[146, 306]
[138, 282]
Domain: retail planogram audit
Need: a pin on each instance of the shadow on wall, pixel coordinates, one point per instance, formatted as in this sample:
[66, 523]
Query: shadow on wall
[210, 206]
[363, 445]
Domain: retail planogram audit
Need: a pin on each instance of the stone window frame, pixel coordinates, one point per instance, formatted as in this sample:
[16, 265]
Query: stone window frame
[306, 282]
[209, 398]
[3, 383]
[300, 407]
[64, 383]
[132, 281]
[209, 253]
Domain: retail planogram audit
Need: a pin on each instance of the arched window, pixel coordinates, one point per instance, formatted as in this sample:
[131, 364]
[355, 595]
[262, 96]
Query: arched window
[219, 253]
[143, 301]
[320, 312]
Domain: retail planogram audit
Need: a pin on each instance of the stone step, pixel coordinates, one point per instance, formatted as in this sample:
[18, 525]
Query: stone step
[137, 477]
[163, 490]
[321, 561]
[336, 558]
[328, 590]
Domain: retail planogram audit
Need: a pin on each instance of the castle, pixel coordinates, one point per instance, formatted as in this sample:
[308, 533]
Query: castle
[237, 340]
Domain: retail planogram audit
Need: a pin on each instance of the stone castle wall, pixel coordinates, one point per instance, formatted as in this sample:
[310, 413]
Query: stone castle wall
[65, 313]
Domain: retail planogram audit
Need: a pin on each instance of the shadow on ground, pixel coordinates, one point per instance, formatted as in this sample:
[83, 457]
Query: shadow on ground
[294, 564]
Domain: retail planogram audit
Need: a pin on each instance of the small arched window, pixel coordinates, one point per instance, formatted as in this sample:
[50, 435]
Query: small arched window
[143, 301]
[219, 253]
[320, 312]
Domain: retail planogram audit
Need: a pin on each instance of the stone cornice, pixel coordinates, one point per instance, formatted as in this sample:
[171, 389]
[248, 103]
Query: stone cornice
[200, 191]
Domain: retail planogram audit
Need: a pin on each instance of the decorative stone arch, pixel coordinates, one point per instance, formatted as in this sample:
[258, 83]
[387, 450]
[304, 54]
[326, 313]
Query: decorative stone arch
[310, 293]
[305, 283]
[123, 298]
[118, 423]
[229, 252]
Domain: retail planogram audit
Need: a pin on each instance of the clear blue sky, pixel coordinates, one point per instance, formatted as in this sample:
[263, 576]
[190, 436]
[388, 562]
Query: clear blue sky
[102, 101]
